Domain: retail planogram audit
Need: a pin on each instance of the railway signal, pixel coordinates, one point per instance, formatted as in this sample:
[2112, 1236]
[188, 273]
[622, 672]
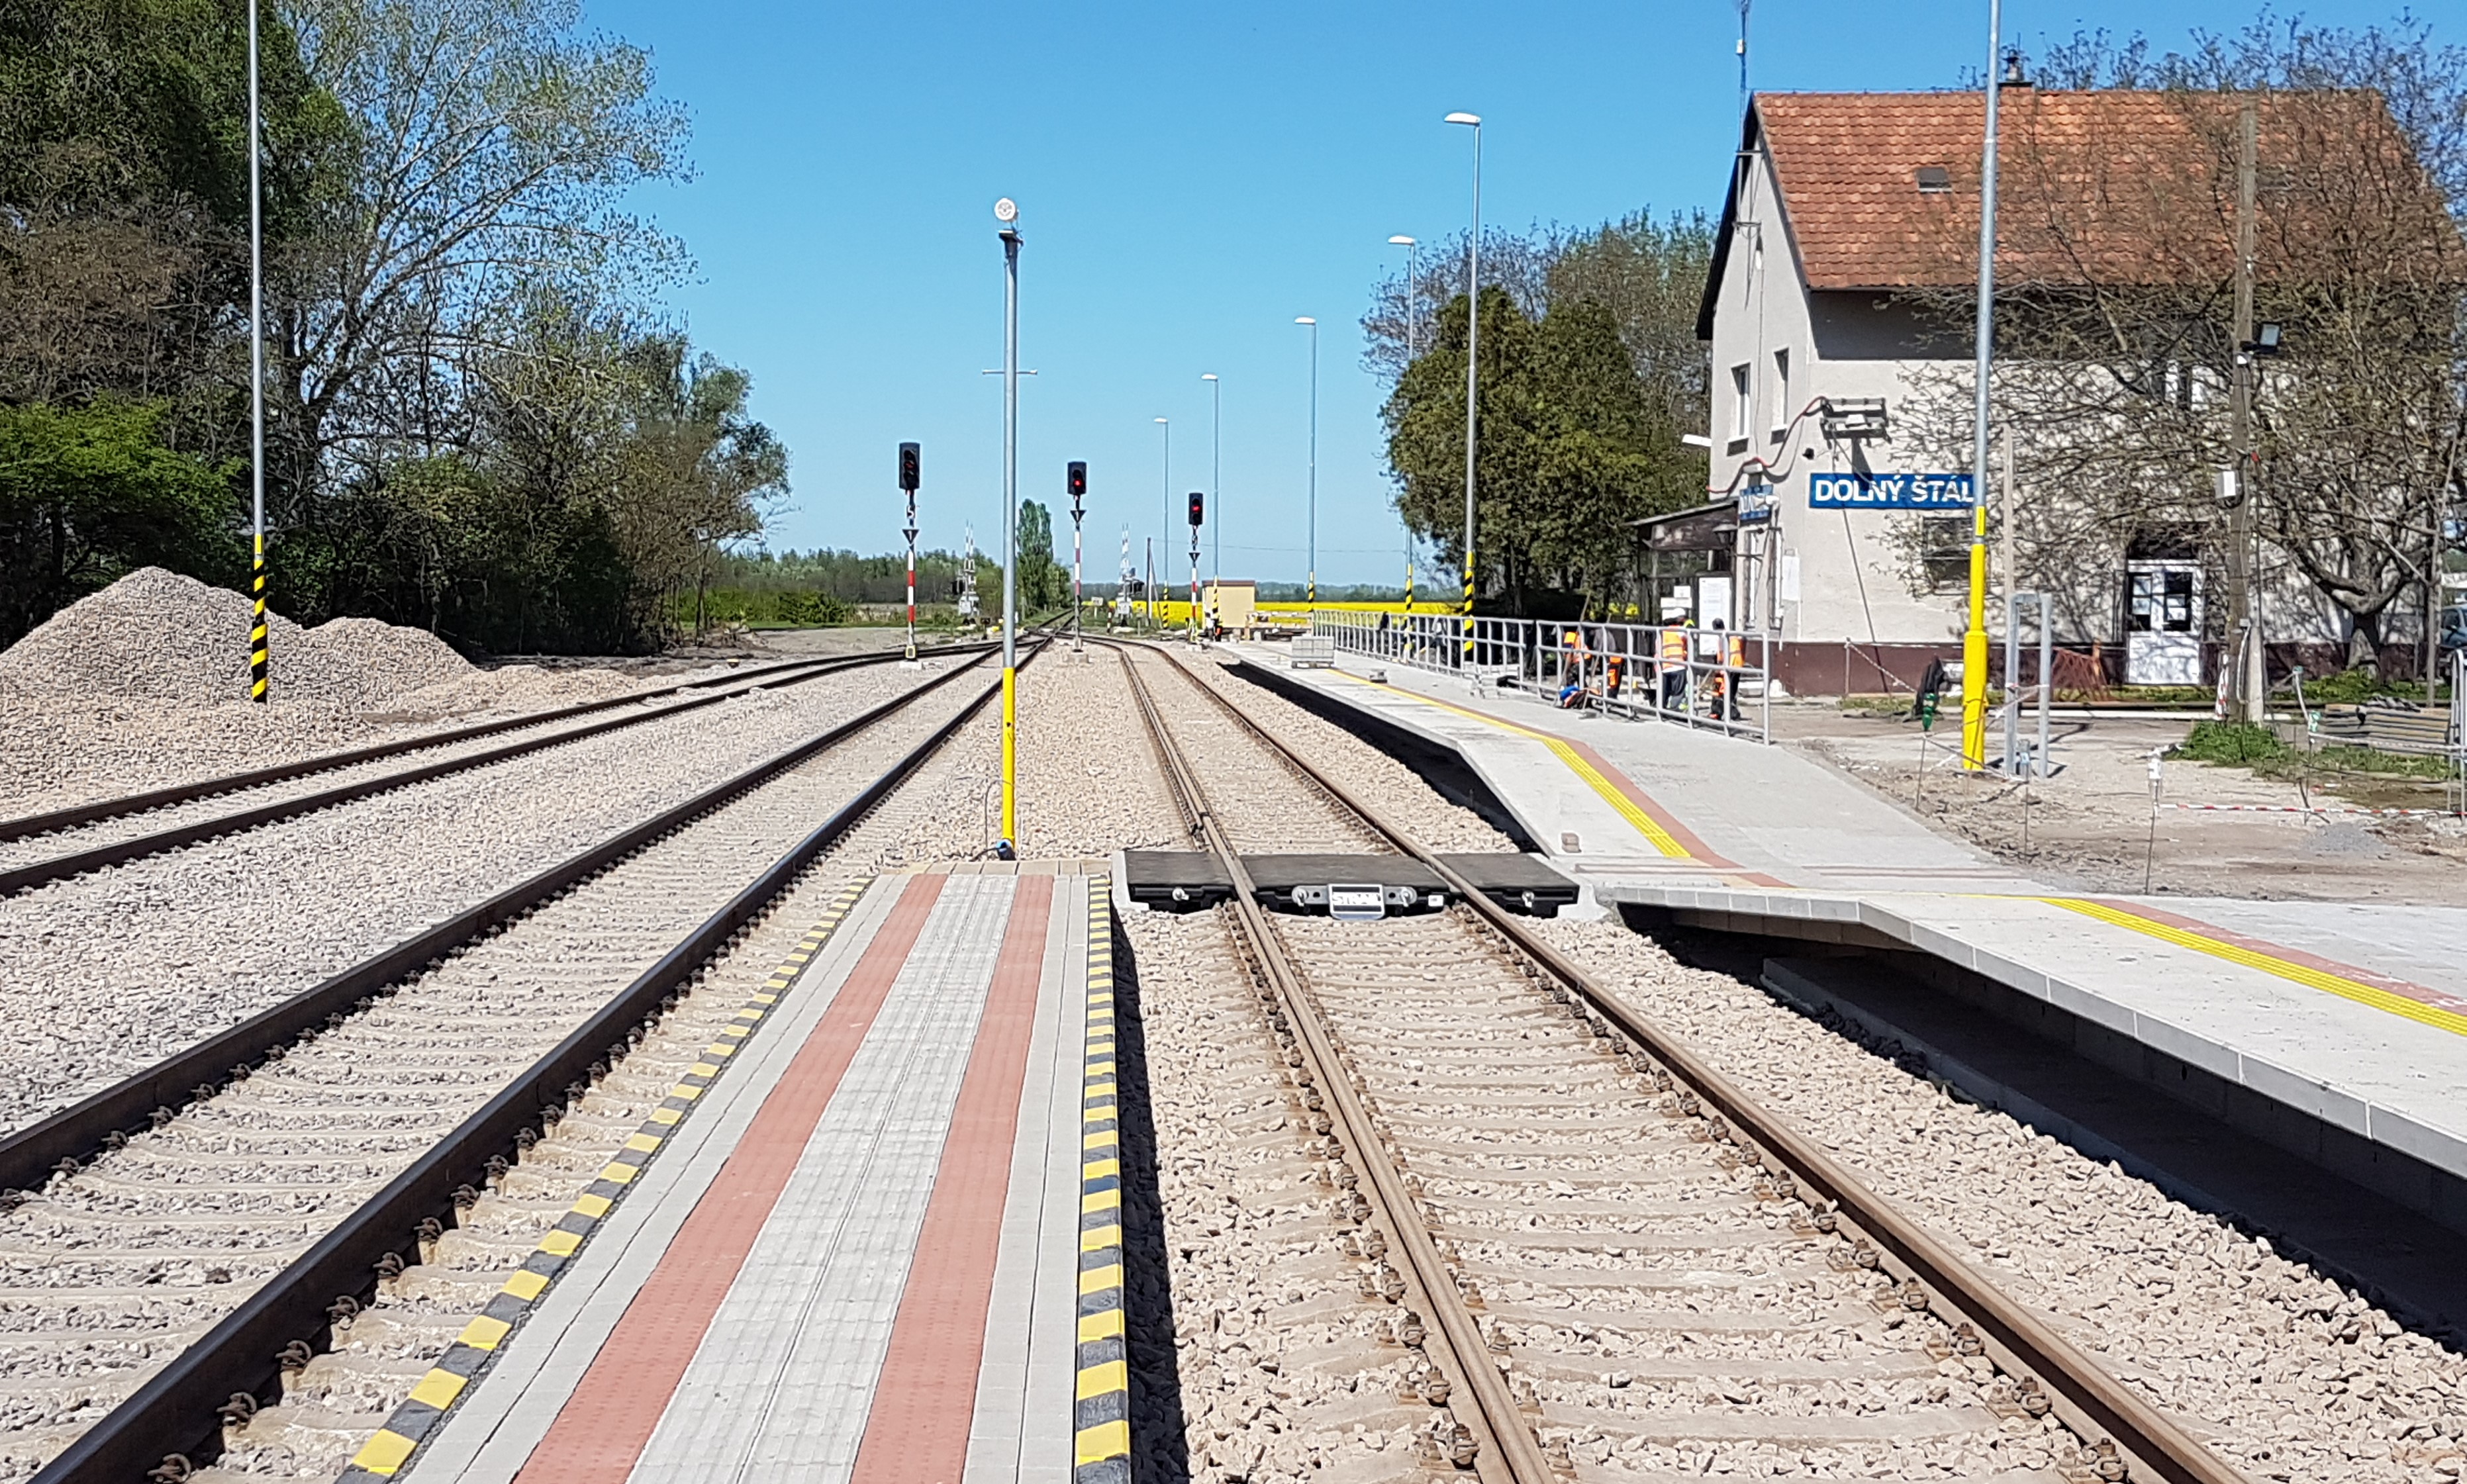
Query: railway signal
[1198, 514]
[911, 462]
[1074, 479]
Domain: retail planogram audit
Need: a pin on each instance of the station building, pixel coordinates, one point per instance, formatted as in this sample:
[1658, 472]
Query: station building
[1837, 520]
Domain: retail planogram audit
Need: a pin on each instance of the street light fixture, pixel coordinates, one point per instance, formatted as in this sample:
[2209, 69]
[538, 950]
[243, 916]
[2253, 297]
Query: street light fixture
[1473, 362]
[1310, 582]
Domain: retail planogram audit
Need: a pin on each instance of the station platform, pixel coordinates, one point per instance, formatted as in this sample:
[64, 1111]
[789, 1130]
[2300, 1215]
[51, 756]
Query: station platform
[874, 1236]
[2338, 1028]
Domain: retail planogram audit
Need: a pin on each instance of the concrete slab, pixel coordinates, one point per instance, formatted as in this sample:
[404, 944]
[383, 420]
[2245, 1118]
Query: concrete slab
[2353, 1017]
[857, 1260]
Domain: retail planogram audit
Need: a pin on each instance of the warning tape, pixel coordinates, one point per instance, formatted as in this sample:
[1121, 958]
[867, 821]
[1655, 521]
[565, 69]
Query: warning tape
[413, 1422]
[1101, 1410]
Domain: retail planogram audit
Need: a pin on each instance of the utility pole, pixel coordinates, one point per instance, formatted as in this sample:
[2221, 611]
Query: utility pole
[258, 668]
[1974, 637]
[1472, 363]
[1007, 211]
[2250, 684]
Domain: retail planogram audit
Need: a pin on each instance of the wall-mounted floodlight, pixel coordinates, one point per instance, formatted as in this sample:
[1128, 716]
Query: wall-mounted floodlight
[2265, 338]
[1696, 440]
[1854, 416]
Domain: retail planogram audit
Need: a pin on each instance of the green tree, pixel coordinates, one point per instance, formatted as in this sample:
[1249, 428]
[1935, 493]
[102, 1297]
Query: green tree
[1571, 451]
[88, 494]
[1043, 581]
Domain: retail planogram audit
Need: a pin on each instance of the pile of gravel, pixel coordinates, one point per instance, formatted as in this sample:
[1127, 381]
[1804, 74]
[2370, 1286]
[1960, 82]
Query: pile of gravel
[159, 636]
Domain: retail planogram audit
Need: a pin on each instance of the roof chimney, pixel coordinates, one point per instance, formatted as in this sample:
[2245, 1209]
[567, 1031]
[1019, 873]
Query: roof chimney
[2013, 73]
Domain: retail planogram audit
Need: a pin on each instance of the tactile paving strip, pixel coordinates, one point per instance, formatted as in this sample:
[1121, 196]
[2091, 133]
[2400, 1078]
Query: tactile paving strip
[1101, 1428]
[386, 1453]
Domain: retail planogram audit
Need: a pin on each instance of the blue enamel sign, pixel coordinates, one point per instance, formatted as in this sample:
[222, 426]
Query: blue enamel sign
[1872, 491]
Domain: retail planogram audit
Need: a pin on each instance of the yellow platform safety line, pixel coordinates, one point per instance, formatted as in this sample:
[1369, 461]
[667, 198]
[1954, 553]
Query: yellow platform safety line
[1646, 825]
[2322, 979]
[390, 1450]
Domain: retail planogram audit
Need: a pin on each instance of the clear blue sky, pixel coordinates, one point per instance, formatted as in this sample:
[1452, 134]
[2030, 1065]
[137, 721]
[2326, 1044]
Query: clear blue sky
[1191, 178]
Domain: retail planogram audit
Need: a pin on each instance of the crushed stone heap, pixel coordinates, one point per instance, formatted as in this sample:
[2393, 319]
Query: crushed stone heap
[156, 635]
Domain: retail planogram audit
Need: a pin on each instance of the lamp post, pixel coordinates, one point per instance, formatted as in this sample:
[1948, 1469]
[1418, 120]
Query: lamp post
[1216, 478]
[1165, 427]
[1413, 301]
[1973, 639]
[1473, 362]
[1310, 579]
[1007, 211]
[258, 668]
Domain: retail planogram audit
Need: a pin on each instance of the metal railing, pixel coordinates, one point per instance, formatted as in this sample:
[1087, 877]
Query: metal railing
[1687, 675]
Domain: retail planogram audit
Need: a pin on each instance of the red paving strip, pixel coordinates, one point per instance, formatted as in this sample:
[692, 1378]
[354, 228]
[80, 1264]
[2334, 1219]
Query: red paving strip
[599, 1432]
[2405, 989]
[925, 1399]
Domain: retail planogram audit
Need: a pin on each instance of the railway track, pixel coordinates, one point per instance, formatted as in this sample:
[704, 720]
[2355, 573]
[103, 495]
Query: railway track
[186, 1285]
[111, 832]
[1596, 1257]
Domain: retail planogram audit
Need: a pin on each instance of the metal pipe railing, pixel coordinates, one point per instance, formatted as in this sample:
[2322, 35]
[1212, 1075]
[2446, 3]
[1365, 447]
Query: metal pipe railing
[1677, 673]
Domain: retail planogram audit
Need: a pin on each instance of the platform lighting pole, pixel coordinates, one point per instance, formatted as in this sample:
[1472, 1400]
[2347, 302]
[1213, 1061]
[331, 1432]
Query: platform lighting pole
[1473, 362]
[1007, 211]
[259, 667]
[1310, 575]
[1412, 301]
[1164, 473]
[1974, 637]
[1216, 478]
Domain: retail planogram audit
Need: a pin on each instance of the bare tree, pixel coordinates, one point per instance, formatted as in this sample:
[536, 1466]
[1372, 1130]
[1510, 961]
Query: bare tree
[2116, 338]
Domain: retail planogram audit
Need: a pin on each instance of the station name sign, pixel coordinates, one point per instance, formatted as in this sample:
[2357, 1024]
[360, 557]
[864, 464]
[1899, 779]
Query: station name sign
[1888, 491]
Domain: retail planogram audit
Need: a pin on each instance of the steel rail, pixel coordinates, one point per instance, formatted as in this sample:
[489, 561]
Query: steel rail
[122, 804]
[138, 846]
[1505, 1448]
[2083, 1395]
[33, 1154]
[176, 1412]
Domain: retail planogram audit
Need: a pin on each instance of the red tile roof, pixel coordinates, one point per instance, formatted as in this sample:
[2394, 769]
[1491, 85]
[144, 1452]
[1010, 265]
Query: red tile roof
[2110, 186]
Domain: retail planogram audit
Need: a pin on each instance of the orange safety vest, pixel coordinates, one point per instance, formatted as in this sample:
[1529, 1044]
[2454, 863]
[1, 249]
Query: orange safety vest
[1674, 649]
[1737, 656]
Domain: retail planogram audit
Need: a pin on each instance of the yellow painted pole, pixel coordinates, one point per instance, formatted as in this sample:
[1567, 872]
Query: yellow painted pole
[1010, 753]
[257, 665]
[1974, 646]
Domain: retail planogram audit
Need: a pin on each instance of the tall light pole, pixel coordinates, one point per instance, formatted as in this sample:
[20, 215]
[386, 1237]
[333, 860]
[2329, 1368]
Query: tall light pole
[1310, 582]
[1216, 469]
[1165, 427]
[1473, 362]
[258, 668]
[1007, 211]
[1413, 303]
[1973, 639]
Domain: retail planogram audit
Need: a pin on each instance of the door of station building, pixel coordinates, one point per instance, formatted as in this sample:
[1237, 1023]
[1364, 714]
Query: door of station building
[2162, 624]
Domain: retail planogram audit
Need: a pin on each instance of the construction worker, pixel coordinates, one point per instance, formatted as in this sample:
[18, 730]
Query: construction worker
[1674, 666]
[1571, 670]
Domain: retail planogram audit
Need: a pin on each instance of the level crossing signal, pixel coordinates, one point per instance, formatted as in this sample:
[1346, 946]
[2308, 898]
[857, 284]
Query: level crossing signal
[1198, 501]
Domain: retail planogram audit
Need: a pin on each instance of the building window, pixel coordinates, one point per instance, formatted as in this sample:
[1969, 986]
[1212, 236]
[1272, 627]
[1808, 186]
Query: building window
[1743, 404]
[1944, 550]
[1781, 406]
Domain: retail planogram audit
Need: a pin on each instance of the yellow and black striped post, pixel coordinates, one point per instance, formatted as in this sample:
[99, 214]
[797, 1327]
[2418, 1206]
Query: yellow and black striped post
[257, 665]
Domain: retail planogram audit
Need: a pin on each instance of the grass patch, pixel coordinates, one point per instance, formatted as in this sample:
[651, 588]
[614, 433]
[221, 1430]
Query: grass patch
[2233, 742]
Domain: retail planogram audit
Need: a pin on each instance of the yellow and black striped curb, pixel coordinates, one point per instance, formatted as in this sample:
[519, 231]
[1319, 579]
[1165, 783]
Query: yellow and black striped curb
[1101, 1427]
[391, 1449]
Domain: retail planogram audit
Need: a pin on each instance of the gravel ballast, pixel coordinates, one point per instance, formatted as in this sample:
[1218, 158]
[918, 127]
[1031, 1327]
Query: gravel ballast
[104, 972]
